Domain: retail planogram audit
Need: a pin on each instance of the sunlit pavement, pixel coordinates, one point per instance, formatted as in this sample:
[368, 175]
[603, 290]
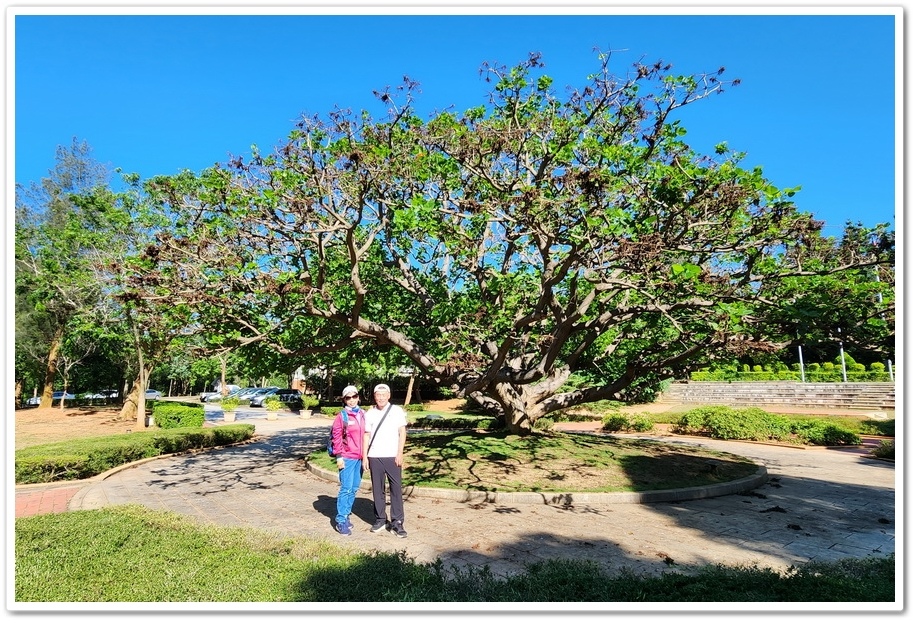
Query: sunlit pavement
[817, 504]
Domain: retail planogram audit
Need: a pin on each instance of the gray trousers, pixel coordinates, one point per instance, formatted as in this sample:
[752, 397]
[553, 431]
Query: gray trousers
[380, 470]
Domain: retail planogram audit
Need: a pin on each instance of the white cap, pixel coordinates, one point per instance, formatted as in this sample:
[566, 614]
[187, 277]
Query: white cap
[381, 388]
[349, 390]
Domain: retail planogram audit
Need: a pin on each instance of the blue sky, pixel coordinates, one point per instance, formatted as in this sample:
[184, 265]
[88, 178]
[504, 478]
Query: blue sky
[155, 94]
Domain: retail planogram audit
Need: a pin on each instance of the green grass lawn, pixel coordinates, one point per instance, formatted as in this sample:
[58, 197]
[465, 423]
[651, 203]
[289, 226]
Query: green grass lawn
[133, 554]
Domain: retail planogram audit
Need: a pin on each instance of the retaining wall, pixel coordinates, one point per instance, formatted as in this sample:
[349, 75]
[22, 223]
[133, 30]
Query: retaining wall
[869, 396]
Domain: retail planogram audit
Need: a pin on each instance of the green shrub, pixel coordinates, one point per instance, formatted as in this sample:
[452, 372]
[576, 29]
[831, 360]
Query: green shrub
[822, 433]
[84, 458]
[885, 428]
[748, 423]
[273, 404]
[885, 450]
[641, 423]
[415, 407]
[693, 422]
[752, 423]
[178, 415]
[229, 403]
[614, 422]
[544, 423]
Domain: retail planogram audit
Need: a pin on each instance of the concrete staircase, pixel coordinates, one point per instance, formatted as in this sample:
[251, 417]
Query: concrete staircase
[866, 396]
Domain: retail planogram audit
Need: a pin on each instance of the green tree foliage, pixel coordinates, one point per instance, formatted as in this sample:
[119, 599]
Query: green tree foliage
[502, 249]
[56, 245]
[826, 304]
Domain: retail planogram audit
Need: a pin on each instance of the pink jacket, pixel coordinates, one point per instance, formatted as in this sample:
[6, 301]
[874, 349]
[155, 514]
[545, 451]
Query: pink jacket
[356, 426]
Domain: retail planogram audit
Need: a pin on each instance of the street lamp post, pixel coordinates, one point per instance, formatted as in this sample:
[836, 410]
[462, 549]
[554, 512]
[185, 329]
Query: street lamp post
[842, 356]
[801, 363]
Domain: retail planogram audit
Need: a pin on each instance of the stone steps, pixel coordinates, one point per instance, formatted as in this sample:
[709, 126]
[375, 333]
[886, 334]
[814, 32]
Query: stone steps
[815, 395]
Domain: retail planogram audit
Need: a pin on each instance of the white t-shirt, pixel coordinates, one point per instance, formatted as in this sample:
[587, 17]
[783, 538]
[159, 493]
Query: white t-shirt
[385, 443]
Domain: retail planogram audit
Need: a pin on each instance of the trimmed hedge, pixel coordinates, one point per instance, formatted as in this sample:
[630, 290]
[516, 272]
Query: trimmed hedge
[752, 423]
[84, 458]
[178, 415]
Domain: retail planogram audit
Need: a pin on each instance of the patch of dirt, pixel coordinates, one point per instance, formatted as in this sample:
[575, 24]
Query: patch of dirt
[452, 405]
[35, 426]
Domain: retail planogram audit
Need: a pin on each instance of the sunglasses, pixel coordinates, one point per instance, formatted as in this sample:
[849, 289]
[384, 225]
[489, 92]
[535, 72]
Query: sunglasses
[349, 397]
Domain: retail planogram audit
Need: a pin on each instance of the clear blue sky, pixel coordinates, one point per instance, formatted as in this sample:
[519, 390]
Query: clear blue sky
[158, 94]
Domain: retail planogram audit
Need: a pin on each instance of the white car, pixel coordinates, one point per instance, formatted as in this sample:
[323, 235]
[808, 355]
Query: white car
[153, 394]
[105, 393]
[56, 396]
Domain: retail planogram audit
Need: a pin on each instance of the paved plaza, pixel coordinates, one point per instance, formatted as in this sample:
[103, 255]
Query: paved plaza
[813, 504]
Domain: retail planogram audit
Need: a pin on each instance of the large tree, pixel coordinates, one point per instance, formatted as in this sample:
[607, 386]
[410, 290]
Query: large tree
[55, 240]
[500, 250]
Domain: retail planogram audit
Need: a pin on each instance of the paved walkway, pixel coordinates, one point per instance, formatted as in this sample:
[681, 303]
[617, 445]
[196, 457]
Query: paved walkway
[815, 504]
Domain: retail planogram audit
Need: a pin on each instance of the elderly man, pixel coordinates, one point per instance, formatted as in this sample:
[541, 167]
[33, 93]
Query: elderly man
[383, 456]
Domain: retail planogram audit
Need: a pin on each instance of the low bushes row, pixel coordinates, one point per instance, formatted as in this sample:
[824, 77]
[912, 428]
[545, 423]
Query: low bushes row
[84, 458]
[454, 423]
[752, 423]
[621, 422]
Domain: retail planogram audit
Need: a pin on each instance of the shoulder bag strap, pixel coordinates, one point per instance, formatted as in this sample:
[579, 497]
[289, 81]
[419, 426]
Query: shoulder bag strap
[344, 421]
[371, 439]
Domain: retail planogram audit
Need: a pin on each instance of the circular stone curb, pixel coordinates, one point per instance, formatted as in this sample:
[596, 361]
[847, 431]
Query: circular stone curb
[741, 485]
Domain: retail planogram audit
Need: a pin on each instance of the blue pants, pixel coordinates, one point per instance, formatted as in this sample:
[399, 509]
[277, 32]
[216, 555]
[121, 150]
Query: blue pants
[350, 477]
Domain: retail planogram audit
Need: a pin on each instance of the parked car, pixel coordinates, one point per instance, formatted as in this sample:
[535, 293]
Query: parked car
[55, 397]
[256, 398]
[246, 394]
[206, 395]
[105, 393]
[153, 394]
[235, 393]
[292, 398]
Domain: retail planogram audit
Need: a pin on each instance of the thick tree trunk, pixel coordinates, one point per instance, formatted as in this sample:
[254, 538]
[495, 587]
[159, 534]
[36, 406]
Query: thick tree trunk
[223, 387]
[134, 407]
[523, 405]
[47, 392]
[518, 420]
[409, 389]
[129, 408]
